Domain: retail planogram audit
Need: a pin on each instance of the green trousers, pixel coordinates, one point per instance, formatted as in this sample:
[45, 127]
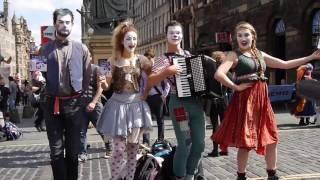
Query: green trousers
[190, 134]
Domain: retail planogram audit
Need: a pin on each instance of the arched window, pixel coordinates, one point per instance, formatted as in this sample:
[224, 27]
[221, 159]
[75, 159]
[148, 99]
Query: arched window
[316, 28]
[280, 28]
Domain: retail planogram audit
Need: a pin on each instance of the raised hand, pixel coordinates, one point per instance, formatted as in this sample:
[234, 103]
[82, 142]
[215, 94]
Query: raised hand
[316, 55]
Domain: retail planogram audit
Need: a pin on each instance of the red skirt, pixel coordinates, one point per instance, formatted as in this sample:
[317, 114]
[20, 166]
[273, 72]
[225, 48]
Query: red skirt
[249, 121]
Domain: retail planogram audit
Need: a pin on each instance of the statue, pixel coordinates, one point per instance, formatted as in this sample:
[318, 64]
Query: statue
[102, 15]
[108, 9]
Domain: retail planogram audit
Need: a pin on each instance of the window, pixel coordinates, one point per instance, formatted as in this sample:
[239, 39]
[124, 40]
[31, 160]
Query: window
[316, 29]
[280, 28]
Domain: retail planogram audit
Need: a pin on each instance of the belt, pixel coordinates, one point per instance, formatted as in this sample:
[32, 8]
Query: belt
[57, 101]
[250, 78]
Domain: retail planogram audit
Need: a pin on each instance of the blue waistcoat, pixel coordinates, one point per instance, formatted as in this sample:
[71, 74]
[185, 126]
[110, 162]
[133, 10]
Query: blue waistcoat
[75, 67]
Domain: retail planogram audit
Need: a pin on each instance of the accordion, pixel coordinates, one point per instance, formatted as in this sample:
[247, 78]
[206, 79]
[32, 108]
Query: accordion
[192, 80]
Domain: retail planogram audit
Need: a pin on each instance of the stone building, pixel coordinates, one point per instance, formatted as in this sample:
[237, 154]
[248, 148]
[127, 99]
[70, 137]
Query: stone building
[99, 17]
[15, 42]
[7, 41]
[150, 19]
[23, 40]
[286, 29]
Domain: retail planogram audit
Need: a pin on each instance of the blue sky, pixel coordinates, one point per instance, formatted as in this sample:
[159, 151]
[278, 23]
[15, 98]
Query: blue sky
[39, 13]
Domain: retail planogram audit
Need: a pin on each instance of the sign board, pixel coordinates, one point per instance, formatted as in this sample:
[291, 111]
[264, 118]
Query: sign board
[223, 37]
[47, 34]
[104, 66]
[38, 63]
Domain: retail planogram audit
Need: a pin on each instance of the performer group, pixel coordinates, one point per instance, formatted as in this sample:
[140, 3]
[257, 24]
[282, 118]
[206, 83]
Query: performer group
[73, 88]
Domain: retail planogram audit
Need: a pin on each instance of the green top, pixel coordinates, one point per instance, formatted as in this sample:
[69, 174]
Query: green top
[249, 65]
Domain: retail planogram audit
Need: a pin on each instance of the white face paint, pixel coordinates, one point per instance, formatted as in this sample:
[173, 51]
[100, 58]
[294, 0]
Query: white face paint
[244, 39]
[63, 25]
[174, 35]
[130, 41]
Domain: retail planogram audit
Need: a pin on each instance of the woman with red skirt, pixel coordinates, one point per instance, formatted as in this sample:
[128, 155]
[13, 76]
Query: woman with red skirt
[249, 122]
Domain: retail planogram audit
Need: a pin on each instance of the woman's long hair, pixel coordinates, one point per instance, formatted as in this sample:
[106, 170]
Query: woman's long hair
[117, 38]
[246, 25]
[256, 52]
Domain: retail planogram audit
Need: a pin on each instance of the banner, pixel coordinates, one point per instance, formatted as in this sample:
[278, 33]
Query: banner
[281, 92]
[47, 34]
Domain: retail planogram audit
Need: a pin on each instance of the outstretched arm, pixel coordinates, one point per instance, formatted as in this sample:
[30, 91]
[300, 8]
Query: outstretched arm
[274, 62]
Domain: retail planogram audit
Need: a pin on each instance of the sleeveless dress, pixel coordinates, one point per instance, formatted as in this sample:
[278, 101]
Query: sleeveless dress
[125, 114]
[249, 120]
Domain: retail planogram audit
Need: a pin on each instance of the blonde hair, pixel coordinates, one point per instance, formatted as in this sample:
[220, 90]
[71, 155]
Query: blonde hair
[117, 37]
[246, 25]
[218, 56]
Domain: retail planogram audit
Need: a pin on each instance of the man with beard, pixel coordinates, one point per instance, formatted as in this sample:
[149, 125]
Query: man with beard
[68, 75]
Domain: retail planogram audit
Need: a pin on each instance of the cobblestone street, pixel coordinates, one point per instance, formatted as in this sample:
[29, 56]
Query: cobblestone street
[298, 155]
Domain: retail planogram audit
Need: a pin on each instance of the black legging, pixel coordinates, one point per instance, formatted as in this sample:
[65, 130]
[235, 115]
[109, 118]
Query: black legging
[218, 107]
[156, 106]
[40, 117]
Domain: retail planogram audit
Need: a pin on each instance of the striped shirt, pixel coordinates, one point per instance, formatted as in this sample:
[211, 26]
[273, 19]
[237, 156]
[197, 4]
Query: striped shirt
[161, 63]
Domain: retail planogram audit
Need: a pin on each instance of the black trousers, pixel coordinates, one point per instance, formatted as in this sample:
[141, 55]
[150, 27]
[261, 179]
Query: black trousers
[218, 107]
[40, 117]
[156, 106]
[63, 132]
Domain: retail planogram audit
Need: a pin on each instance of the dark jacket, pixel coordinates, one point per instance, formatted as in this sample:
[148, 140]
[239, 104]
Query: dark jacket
[78, 66]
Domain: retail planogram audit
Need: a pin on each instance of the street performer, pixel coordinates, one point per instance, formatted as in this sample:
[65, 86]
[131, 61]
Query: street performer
[249, 122]
[186, 113]
[68, 75]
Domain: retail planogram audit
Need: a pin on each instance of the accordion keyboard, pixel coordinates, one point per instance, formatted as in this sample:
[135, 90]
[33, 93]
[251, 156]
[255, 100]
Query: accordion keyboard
[182, 82]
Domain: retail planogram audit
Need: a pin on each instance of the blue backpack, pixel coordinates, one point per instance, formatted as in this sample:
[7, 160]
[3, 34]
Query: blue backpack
[11, 131]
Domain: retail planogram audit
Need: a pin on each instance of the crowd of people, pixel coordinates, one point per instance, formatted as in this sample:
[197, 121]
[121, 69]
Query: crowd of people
[69, 97]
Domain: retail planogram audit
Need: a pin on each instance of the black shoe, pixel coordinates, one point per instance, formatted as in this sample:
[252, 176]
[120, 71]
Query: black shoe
[38, 127]
[301, 123]
[307, 122]
[275, 177]
[213, 154]
[241, 178]
[314, 121]
[43, 128]
[223, 153]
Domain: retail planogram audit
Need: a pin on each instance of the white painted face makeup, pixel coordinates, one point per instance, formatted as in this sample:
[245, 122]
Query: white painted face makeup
[64, 25]
[130, 41]
[174, 35]
[244, 39]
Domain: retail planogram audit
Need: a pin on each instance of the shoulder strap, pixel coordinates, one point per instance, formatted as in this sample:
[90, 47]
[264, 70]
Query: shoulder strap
[94, 76]
[156, 88]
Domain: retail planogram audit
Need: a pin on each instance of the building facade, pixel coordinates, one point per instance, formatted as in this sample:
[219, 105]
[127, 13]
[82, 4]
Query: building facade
[23, 44]
[7, 43]
[15, 42]
[99, 18]
[286, 29]
[150, 18]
